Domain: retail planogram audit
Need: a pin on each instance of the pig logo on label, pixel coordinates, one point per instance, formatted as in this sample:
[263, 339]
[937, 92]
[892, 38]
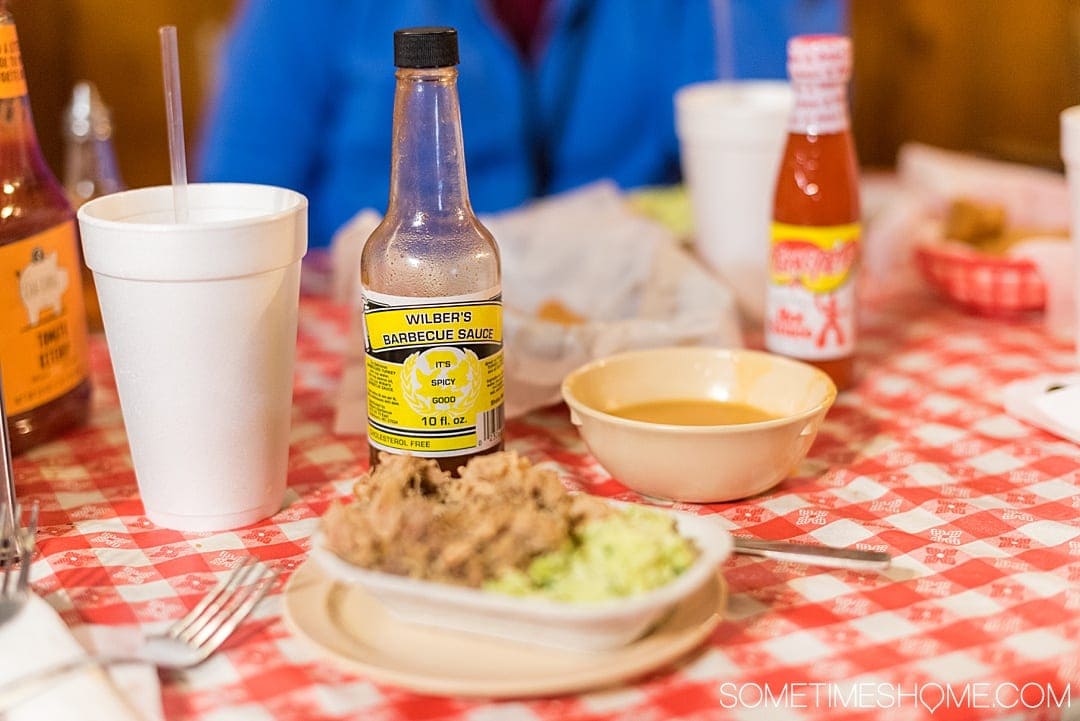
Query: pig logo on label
[442, 379]
[42, 283]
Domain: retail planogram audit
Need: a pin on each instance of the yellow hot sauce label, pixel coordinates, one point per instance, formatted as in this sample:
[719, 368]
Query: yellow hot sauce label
[819, 259]
[12, 77]
[810, 299]
[434, 373]
[42, 321]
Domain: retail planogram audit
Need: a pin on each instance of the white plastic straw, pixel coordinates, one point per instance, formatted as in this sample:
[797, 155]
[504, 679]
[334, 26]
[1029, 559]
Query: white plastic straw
[723, 25]
[174, 112]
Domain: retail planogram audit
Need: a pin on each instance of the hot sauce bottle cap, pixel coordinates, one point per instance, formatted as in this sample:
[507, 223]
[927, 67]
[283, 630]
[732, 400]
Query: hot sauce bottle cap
[819, 58]
[425, 47]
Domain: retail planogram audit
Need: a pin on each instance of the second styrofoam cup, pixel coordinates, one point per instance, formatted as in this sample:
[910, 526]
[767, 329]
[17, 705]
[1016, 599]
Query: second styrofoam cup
[731, 136]
[200, 318]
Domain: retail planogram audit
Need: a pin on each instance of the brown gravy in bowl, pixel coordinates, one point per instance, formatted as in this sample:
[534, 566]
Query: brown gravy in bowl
[693, 412]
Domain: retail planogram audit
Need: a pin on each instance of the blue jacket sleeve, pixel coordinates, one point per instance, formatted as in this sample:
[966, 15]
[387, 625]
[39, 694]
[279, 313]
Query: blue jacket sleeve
[761, 29]
[275, 91]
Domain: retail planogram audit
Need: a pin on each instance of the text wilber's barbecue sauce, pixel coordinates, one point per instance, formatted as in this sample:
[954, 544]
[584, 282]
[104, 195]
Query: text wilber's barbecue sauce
[814, 250]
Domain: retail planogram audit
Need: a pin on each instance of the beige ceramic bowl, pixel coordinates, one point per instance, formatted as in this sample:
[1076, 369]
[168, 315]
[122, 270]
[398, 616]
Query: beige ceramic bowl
[699, 463]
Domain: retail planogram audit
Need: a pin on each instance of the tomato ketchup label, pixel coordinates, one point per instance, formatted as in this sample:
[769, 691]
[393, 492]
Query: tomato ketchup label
[42, 331]
[12, 77]
[810, 306]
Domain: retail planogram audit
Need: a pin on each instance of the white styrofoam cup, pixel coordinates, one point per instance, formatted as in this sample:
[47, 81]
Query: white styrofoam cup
[731, 136]
[200, 319]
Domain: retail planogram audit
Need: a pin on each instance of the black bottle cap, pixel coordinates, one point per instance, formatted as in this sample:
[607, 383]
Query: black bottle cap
[427, 47]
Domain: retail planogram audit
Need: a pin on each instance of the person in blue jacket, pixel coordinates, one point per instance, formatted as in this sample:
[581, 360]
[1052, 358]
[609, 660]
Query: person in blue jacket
[554, 93]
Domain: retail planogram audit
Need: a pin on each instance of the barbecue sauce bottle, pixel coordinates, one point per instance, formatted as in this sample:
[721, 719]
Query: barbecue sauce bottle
[43, 353]
[810, 300]
[430, 278]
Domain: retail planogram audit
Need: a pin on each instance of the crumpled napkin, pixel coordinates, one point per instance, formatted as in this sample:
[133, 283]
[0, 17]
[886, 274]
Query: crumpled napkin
[37, 638]
[626, 277]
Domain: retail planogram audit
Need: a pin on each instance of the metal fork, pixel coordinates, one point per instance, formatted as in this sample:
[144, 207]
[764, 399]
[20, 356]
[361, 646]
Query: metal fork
[186, 643]
[16, 550]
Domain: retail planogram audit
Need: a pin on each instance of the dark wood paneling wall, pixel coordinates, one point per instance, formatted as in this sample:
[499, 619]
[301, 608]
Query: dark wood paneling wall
[114, 43]
[987, 76]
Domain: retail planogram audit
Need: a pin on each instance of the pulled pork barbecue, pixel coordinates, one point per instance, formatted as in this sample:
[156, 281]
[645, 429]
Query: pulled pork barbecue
[411, 519]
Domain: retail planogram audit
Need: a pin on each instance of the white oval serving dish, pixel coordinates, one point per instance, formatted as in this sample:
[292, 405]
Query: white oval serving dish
[593, 626]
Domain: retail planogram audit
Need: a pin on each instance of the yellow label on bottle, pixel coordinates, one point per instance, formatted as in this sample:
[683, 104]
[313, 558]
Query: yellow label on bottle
[434, 373]
[810, 298]
[819, 258]
[12, 77]
[42, 321]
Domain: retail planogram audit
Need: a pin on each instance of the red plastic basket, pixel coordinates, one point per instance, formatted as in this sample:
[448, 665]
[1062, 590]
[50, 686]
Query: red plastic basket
[985, 284]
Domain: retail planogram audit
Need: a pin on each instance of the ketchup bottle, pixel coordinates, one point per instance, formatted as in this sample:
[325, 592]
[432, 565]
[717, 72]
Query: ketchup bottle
[43, 344]
[814, 251]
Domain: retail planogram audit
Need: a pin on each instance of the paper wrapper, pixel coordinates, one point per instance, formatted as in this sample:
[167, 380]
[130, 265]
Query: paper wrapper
[618, 280]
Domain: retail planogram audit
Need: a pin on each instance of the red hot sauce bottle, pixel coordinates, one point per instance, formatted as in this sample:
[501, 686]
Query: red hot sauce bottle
[814, 251]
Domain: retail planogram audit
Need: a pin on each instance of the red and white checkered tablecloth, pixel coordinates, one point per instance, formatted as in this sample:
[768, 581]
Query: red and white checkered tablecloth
[981, 512]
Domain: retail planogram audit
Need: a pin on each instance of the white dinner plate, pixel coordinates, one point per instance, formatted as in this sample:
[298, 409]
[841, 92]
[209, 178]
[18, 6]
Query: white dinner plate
[348, 625]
